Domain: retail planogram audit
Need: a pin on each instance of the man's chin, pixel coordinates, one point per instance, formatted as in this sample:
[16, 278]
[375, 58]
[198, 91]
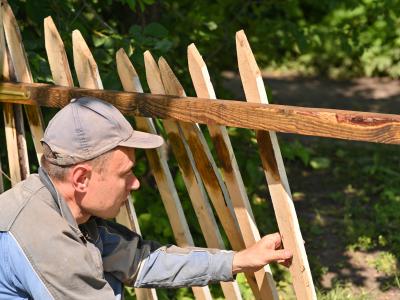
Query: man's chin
[115, 214]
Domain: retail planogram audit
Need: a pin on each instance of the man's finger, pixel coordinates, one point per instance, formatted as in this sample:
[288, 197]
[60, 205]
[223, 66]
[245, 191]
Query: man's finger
[275, 239]
[283, 254]
[285, 263]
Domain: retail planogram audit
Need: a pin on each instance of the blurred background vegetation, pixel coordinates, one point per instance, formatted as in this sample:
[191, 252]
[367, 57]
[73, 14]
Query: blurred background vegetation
[358, 205]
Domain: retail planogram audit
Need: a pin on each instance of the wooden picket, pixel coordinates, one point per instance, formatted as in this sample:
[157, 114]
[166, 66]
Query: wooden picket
[22, 73]
[203, 180]
[275, 173]
[17, 151]
[231, 174]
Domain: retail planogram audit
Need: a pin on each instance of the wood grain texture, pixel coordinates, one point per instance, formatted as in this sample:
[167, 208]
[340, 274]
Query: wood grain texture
[276, 175]
[208, 171]
[8, 115]
[17, 150]
[231, 173]
[192, 179]
[89, 77]
[204, 163]
[185, 164]
[22, 73]
[56, 55]
[331, 123]
[159, 167]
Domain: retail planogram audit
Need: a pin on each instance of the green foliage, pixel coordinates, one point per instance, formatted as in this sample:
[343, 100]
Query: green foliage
[334, 38]
[386, 263]
[343, 292]
[363, 243]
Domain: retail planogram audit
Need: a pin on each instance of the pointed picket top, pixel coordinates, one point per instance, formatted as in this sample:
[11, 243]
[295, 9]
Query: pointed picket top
[15, 45]
[199, 73]
[56, 55]
[4, 72]
[276, 175]
[171, 84]
[253, 84]
[85, 66]
[126, 69]
[153, 75]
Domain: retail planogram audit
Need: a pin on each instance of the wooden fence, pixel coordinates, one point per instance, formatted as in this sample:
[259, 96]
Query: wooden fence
[206, 184]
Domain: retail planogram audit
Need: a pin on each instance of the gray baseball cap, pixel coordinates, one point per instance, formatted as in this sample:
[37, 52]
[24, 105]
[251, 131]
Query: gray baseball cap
[88, 127]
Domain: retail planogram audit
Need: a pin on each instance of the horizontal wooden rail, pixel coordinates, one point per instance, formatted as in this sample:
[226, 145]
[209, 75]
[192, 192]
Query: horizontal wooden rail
[333, 123]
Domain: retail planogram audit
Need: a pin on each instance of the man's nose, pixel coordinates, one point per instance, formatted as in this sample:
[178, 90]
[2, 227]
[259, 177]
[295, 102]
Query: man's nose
[135, 183]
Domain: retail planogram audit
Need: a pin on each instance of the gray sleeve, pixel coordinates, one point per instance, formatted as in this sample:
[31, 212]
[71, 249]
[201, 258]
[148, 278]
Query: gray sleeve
[141, 263]
[171, 267]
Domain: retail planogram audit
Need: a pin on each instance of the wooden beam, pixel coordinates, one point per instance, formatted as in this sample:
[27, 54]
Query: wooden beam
[192, 180]
[331, 123]
[275, 173]
[230, 169]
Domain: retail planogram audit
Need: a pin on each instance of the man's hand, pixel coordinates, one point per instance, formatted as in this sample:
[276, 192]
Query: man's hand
[267, 250]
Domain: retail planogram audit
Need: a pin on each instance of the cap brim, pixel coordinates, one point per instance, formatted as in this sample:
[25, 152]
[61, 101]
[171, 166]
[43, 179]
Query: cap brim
[143, 140]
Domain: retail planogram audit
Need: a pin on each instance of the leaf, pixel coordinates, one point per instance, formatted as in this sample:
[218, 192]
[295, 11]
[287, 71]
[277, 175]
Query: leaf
[156, 30]
[212, 25]
[164, 45]
[131, 4]
[320, 163]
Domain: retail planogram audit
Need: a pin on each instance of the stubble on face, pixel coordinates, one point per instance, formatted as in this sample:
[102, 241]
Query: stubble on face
[126, 162]
[111, 185]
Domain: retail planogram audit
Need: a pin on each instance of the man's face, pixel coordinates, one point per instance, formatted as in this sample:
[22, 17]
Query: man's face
[108, 188]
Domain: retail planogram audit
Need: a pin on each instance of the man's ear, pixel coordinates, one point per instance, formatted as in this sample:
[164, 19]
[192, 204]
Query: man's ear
[81, 175]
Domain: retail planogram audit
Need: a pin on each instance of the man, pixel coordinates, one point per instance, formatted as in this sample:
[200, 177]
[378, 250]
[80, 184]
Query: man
[55, 241]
